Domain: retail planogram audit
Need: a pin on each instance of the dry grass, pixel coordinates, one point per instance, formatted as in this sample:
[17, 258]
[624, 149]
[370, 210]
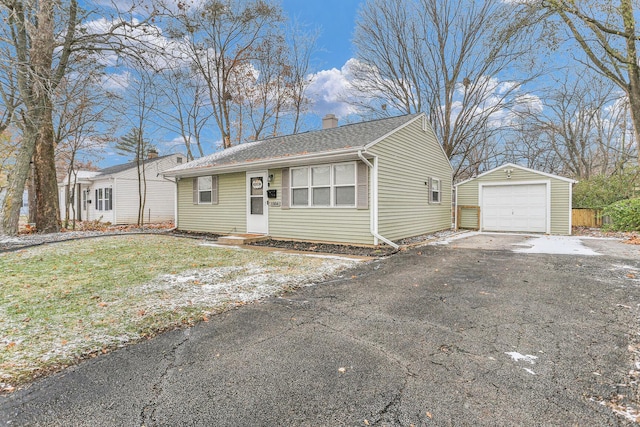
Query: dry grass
[63, 302]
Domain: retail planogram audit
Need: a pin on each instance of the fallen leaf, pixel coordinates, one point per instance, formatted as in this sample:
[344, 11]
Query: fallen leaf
[342, 370]
[11, 345]
[64, 342]
[366, 422]
[429, 415]
[141, 313]
[631, 276]
[102, 304]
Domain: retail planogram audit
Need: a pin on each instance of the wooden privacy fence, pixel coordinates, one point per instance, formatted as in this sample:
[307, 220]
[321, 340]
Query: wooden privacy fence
[467, 208]
[586, 217]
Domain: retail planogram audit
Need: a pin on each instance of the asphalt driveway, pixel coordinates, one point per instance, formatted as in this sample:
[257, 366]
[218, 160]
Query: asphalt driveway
[439, 335]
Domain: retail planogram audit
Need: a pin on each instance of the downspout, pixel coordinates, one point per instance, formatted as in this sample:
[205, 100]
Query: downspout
[373, 229]
[455, 212]
[175, 198]
[114, 204]
[175, 204]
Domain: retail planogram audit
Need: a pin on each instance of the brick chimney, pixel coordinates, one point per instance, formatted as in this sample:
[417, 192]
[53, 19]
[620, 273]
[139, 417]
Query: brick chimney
[329, 121]
[152, 153]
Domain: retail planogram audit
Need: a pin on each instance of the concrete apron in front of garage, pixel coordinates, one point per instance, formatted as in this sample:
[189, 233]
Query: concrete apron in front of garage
[544, 244]
[437, 335]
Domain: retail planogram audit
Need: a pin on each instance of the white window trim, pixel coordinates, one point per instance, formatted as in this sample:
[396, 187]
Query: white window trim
[108, 199]
[332, 186]
[99, 199]
[210, 191]
[431, 198]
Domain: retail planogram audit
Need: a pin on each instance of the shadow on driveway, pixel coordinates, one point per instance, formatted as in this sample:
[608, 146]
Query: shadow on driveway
[439, 335]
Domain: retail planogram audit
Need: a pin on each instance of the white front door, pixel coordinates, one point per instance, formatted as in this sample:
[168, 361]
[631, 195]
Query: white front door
[257, 209]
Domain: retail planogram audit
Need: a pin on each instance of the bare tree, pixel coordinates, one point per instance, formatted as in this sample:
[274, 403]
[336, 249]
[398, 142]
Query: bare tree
[140, 105]
[81, 118]
[189, 113]
[43, 38]
[220, 36]
[448, 58]
[606, 33]
[584, 124]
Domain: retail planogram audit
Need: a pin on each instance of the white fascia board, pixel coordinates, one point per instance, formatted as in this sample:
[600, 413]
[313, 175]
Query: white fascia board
[513, 165]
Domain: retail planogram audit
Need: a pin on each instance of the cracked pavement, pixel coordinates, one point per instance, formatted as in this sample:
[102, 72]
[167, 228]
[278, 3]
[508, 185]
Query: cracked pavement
[433, 336]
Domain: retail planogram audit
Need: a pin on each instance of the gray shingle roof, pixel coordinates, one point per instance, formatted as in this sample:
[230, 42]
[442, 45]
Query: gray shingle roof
[126, 166]
[355, 136]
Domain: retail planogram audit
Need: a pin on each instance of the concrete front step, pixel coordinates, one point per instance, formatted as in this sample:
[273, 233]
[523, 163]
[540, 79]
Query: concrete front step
[241, 239]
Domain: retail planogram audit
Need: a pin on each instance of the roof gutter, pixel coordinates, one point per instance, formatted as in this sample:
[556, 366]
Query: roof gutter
[373, 229]
[264, 163]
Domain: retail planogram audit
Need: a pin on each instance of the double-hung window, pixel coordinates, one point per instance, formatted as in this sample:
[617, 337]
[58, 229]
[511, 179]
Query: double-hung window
[108, 199]
[104, 199]
[300, 187]
[321, 186]
[204, 189]
[324, 185]
[344, 181]
[435, 191]
[99, 199]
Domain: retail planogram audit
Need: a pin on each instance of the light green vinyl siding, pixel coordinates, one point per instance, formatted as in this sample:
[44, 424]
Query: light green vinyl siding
[228, 216]
[341, 225]
[406, 161]
[560, 210]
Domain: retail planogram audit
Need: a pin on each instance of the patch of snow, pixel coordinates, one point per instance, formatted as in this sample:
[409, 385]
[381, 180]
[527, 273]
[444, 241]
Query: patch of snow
[524, 357]
[624, 267]
[336, 257]
[529, 371]
[559, 245]
[450, 239]
[628, 412]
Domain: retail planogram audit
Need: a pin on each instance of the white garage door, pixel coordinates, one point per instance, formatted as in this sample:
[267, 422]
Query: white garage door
[520, 208]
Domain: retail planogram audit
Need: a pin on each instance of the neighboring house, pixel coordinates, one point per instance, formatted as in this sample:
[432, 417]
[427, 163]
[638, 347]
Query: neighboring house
[364, 183]
[111, 194]
[517, 199]
[24, 207]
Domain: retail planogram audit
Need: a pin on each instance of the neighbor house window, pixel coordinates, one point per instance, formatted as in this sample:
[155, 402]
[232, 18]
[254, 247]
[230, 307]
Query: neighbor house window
[108, 199]
[99, 199]
[104, 199]
[435, 191]
[204, 189]
[324, 186]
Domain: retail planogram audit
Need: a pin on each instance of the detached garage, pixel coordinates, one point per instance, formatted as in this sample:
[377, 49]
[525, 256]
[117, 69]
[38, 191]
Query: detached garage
[515, 199]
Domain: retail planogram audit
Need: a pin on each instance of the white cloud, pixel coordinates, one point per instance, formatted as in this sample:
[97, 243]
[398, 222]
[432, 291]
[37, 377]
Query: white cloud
[116, 82]
[329, 90]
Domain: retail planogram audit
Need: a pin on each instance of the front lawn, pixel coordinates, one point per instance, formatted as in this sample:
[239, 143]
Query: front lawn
[75, 299]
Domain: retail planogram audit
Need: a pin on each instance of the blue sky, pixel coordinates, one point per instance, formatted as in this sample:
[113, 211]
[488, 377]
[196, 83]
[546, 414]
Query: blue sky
[336, 21]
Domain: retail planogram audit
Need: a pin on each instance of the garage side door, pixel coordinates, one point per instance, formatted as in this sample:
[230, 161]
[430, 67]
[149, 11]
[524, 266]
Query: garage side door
[519, 208]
